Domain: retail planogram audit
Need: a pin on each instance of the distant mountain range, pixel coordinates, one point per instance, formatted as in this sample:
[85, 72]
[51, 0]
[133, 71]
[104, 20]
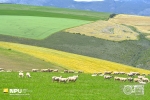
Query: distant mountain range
[135, 7]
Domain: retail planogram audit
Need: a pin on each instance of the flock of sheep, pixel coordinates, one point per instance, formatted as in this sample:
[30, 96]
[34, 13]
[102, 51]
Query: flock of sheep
[65, 80]
[55, 70]
[21, 74]
[55, 78]
[131, 77]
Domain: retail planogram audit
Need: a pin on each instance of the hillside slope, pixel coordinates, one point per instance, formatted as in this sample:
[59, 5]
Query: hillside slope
[70, 61]
[27, 10]
[12, 60]
[134, 53]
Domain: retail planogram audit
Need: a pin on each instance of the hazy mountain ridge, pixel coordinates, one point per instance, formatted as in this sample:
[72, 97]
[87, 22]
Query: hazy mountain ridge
[138, 7]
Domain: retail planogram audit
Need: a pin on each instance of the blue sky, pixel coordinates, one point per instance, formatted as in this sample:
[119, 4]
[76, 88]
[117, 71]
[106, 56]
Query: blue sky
[87, 0]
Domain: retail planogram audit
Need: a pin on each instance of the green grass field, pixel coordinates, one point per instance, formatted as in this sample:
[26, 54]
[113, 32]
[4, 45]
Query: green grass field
[41, 87]
[27, 10]
[35, 27]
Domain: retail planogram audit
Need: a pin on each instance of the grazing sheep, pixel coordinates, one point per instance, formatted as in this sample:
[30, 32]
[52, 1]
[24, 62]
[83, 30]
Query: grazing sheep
[107, 76]
[94, 74]
[135, 73]
[116, 73]
[21, 74]
[101, 75]
[130, 79]
[145, 79]
[56, 78]
[140, 77]
[63, 80]
[70, 71]
[65, 71]
[123, 79]
[108, 72]
[44, 70]
[55, 70]
[130, 74]
[141, 82]
[35, 70]
[51, 70]
[73, 78]
[28, 75]
[116, 78]
[1, 69]
[137, 79]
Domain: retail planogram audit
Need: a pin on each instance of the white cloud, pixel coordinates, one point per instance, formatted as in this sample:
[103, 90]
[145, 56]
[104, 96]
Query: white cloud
[87, 0]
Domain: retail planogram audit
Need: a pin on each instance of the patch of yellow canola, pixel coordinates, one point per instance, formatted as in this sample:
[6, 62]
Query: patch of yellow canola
[70, 61]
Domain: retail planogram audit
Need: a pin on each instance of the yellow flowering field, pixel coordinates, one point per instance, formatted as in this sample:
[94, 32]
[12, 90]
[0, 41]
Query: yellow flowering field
[106, 30]
[70, 61]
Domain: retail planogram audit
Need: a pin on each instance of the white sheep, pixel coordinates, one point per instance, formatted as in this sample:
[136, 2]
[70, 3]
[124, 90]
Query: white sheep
[63, 80]
[65, 71]
[1, 69]
[130, 79]
[55, 70]
[145, 79]
[28, 75]
[44, 70]
[135, 73]
[116, 78]
[107, 76]
[116, 73]
[71, 71]
[141, 82]
[73, 78]
[130, 74]
[94, 74]
[56, 78]
[21, 74]
[108, 72]
[137, 79]
[123, 79]
[35, 70]
[140, 77]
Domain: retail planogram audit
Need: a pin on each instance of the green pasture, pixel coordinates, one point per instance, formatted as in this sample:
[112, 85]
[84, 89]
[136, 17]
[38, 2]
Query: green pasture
[41, 87]
[35, 27]
[42, 11]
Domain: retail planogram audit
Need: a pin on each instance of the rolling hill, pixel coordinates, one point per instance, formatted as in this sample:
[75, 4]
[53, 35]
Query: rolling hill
[70, 61]
[21, 50]
[27, 10]
[132, 52]
[35, 27]
[136, 7]
[12, 60]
